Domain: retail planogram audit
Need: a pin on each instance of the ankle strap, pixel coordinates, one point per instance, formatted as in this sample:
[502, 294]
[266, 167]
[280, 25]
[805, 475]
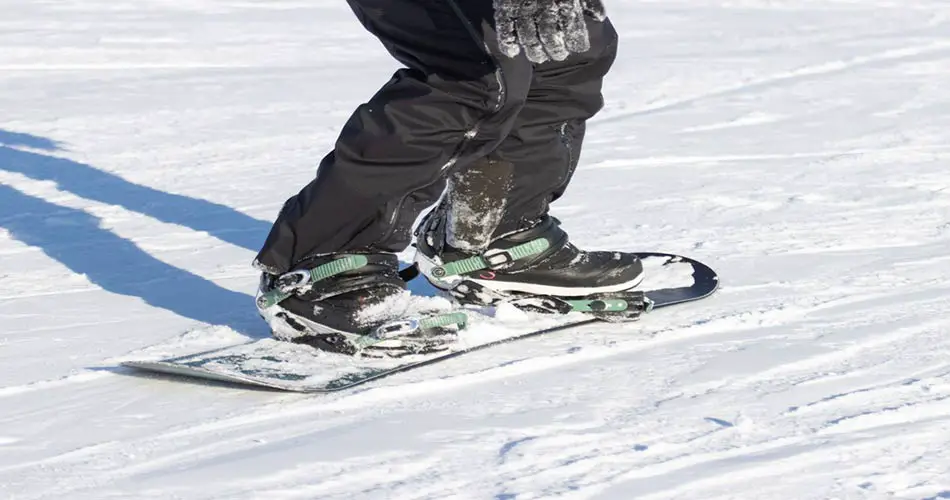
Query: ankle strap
[287, 283]
[494, 259]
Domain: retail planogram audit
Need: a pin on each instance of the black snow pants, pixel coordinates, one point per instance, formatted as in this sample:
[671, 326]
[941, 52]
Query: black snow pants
[456, 101]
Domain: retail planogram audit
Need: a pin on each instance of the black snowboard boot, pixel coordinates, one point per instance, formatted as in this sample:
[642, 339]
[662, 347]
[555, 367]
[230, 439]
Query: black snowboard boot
[535, 262]
[349, 304]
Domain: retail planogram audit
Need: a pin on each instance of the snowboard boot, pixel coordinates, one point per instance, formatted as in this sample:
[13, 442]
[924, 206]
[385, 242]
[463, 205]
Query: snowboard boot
[535, 269]
[351, 304]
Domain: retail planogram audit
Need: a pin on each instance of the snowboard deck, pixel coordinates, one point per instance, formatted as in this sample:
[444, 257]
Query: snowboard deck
[669, 280]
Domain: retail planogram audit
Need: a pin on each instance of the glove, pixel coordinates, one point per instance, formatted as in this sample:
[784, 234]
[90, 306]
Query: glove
[546, 29]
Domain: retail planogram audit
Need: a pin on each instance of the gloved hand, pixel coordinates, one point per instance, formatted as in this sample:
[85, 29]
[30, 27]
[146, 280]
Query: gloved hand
[546, 29]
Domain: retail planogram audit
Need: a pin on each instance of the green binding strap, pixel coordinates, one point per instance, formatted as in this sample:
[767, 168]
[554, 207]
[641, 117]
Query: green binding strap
[479, 262]
[338, 266]
[404, 327]
[271, 298]
[319, 273]
[459, 319]
[599, 305]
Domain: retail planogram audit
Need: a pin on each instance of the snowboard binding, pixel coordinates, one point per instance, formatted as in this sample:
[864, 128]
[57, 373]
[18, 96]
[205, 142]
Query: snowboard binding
[535, 268]
[617, 306]
[412, 336]
[330, 306]
[425, 334]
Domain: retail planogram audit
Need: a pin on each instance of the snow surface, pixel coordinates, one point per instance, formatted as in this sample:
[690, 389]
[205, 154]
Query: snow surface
[799, 146]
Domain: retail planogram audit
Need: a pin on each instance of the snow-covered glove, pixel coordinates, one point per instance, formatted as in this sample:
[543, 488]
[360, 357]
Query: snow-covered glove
[545, 29]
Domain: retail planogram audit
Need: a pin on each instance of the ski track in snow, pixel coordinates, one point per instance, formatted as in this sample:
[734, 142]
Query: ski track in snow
[798, 147]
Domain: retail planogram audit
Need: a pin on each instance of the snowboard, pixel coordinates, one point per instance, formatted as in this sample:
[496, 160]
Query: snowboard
[668, 280]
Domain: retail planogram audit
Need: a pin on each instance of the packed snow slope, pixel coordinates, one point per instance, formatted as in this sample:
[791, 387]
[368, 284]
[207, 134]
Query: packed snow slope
[798, 146]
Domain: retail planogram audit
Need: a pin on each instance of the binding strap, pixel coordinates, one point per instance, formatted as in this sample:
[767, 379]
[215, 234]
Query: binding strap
[629, 302]
[492, 259]
[411, 326]
[287, 283]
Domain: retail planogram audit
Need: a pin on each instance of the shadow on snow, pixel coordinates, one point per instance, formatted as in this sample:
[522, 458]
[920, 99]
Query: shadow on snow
[83, 180]
[76, 239]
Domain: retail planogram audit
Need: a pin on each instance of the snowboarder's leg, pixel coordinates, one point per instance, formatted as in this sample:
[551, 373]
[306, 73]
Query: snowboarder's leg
[491, 238]
[454, 102]
[534, 163]
[545, 144]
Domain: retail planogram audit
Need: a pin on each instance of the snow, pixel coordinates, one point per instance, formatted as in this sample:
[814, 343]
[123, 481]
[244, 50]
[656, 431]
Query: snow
[800, 147]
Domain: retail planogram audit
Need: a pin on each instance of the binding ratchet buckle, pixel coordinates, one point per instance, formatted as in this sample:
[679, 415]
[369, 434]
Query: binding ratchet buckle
[416, 334]
[395, 329]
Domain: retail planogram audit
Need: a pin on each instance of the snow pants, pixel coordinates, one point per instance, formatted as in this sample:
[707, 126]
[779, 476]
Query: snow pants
[458, 100]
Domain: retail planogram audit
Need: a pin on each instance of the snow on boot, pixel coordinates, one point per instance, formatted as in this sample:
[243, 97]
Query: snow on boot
[352, 304]
[540, 263]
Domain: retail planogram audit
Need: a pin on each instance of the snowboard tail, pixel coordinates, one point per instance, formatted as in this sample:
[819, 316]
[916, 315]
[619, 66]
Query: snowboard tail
[670, 280]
